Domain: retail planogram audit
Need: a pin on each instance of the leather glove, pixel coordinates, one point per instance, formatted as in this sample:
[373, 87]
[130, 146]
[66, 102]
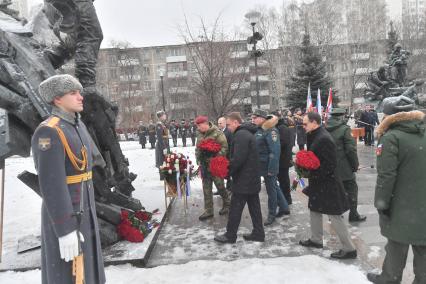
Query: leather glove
[68, 245]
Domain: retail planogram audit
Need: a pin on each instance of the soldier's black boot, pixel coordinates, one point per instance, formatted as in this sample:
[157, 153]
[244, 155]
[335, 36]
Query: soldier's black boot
[253, 238]
[373, 277]
[344, 254]
[206, 215]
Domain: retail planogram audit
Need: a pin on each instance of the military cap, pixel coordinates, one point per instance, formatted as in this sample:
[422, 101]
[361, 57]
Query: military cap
[57, 86]
[260, 113]
[338, 111]
[392, 105]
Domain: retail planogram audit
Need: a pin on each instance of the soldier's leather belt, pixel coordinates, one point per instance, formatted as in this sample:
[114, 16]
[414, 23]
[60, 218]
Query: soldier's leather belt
[79, 178]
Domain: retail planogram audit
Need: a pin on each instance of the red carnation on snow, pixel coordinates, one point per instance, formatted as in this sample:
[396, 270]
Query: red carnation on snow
[219, 167]
[209, 145]
[126, 231]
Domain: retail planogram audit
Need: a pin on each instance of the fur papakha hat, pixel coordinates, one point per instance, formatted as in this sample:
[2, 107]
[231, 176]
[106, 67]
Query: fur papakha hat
[57, 86]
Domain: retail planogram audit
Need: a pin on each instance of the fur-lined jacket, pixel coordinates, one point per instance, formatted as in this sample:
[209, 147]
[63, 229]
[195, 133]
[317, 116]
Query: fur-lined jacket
[400, 195]
[268, 147]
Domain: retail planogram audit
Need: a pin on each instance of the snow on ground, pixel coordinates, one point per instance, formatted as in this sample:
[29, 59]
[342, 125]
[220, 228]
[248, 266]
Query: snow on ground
[307, 269]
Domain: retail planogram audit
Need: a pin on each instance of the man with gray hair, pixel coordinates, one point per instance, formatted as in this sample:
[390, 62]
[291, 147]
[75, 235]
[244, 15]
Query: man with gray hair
[64, 155]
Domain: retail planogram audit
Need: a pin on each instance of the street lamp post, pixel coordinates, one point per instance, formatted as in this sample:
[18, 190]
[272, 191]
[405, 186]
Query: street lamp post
[253, 18]
[161, 73]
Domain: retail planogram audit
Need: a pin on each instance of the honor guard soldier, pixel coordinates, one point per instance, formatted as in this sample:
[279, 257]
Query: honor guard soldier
[64, 155]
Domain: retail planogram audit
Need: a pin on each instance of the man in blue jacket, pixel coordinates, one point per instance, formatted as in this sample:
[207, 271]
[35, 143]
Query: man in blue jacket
[269, 149]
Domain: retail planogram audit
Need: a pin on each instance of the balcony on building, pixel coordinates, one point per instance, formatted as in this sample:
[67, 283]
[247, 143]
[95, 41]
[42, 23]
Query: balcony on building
[360, 56]
[176, 59]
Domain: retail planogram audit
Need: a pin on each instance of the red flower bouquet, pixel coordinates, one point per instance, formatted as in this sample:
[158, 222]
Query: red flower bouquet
[209, 146]
[134, 227]
[174, 163]
[219, 167]
[306, 161]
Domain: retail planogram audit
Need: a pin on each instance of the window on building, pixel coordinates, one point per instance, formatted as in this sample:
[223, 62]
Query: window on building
[175, 52]
[344, 67]
[146, 70]
[147, 86]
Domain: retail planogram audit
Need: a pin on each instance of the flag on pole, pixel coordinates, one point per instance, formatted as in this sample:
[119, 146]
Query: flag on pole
[329, 102]
[309, 105]
[319, 108]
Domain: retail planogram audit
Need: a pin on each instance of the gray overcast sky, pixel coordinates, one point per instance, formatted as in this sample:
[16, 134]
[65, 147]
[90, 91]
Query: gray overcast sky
[154, 22]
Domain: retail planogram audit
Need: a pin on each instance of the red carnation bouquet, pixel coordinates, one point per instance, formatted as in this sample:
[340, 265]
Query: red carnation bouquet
[219, 167]
[306, 161]
[209, 147]
[135, 226]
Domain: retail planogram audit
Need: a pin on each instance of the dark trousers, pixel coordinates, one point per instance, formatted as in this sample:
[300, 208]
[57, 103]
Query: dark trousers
[284, 180]
[152, 145]
[369, 135]
[351, 189]
[143, 145]
[174, 138]
[193, 140]
[395, 260]
[184, 141]
[301, 146]
[238, 202]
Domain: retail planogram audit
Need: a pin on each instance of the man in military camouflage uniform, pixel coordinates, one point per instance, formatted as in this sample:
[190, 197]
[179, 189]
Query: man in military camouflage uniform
[269, 148]
[162, 147]
[64, 155]
[207, 130]
[347, 159]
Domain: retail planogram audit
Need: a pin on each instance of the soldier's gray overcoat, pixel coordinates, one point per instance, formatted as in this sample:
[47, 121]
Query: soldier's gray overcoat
[60, 200]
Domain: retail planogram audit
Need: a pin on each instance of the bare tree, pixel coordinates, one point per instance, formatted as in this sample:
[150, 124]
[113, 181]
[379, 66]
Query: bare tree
[220, 68]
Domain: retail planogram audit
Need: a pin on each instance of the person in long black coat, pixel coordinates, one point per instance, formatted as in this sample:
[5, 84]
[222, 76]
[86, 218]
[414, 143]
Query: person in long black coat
[245, 174]
[286, 141]
[325, 191]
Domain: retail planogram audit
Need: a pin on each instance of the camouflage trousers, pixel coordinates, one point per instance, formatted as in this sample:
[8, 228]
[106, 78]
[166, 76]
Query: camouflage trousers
[208, 193]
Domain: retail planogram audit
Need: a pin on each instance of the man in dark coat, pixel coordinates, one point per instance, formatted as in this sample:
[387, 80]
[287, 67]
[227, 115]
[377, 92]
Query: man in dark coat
[221, 123]
[64, 155]
[174, 130]
[369, 119]
[400, 195]
[151, 134]
[269, 149]
[325, 191]
[142, 134]
[347, 159]
[286, 162]
[300, 131]
[244, 170]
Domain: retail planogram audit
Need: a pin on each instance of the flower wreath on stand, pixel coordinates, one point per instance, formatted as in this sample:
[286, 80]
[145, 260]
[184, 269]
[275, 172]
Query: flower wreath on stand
[135, 226]
[306, 161]
[177, 170]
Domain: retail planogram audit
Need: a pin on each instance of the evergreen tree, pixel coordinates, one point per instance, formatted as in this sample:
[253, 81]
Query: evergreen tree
[312, 70]
[392, 39]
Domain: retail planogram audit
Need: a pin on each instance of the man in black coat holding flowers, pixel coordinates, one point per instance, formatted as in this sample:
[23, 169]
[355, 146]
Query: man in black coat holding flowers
[245, 174]
[325, 191]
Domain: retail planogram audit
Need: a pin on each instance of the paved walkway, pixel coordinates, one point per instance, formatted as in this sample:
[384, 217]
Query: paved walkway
[185, 239]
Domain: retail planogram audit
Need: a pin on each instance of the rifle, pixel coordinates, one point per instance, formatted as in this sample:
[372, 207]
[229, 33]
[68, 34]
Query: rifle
[78, 262]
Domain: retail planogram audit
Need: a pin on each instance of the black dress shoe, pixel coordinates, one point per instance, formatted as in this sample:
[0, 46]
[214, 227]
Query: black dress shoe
[344, 254]
[373, 277]
[282, 214]
[310, 244]
[224, 239]
[216, 193]
[253, 238]
[357, 218]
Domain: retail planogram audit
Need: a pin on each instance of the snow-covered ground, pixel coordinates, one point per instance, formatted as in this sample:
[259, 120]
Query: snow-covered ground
[22, 217]
[284, 270]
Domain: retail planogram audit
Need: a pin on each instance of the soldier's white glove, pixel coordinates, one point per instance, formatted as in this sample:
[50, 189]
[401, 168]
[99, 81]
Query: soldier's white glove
[68, 245]
[165, 152]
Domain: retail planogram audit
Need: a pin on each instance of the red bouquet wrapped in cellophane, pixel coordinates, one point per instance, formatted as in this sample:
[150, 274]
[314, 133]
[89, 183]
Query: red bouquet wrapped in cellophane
[219, 167]
[306, 161]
